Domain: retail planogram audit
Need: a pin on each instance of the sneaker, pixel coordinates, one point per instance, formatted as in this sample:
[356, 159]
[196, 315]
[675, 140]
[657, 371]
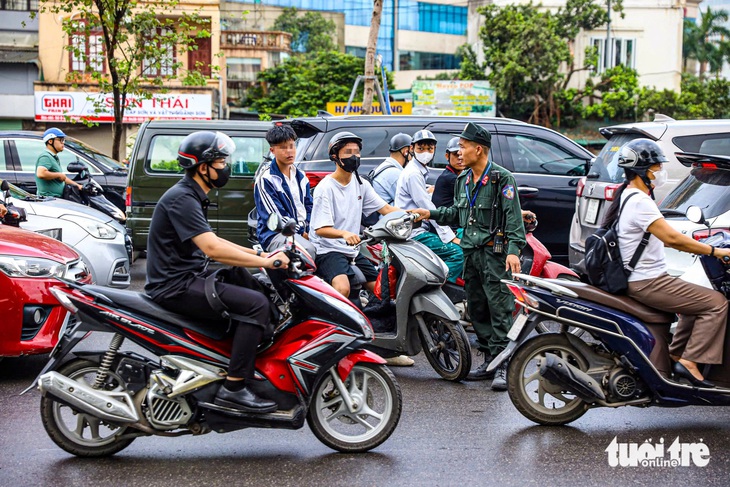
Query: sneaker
[480, 373]
[500, 378]
[400, 361]
[244, 400]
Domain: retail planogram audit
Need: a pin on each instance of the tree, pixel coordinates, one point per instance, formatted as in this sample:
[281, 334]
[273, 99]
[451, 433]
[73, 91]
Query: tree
[310, 32]
[138, 38]
[367, 100]
[470, 67]
[526, 49]
[701, 41]
[302, 85]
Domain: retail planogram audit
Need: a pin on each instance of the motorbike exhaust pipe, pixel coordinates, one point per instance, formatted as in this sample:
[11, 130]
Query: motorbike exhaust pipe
[115, 407]
[561, 373]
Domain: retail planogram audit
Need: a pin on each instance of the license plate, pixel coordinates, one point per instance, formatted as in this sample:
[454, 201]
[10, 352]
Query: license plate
[517, 327]
[592, 210]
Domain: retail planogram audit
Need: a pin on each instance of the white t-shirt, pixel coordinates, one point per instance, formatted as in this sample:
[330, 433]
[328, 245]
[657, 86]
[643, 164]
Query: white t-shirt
[341, 207]
[296, 194]
[636, 217]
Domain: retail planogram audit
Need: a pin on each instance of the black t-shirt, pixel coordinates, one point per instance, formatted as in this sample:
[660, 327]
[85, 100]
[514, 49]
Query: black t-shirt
[173, 260]
[443, 191]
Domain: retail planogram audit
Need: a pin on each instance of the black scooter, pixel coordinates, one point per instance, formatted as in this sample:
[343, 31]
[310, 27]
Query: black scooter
[15, 216]
[91, 194]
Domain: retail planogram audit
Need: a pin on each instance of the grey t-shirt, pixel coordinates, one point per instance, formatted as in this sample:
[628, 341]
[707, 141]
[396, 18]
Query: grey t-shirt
[341, 207]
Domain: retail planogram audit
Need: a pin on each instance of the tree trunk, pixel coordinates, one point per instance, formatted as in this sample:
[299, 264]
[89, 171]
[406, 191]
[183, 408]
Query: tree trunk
[367, 99]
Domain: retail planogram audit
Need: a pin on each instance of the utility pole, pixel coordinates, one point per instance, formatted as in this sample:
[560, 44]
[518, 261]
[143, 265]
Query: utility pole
[607, 53]
[367, 100]
[396, 58]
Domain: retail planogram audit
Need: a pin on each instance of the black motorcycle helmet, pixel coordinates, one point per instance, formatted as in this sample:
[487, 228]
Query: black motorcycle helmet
[204, 147]
[399, 141]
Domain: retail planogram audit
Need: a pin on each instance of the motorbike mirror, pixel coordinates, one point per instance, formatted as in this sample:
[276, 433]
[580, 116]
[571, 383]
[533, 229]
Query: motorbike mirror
[274, 223]
[696, 215]
[76, 167]
[4, 186]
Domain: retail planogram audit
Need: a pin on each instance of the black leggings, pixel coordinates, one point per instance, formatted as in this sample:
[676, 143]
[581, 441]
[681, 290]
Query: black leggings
[240, 294]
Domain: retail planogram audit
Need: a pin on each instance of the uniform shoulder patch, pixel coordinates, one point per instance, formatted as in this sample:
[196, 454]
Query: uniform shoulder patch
[508, 191]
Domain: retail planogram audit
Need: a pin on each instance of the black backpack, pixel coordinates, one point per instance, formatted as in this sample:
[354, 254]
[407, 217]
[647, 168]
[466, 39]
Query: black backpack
[372, 219]
[603, 261]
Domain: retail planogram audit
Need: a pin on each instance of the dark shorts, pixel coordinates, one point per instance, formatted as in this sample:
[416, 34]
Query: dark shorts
[333, 264]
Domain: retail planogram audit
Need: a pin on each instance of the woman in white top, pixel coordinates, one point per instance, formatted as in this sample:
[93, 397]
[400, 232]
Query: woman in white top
[700, 333]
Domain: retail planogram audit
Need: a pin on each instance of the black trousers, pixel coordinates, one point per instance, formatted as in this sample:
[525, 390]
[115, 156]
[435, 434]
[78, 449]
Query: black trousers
[240, 293]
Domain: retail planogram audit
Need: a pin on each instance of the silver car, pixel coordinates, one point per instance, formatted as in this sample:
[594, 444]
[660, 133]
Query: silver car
[100, 240]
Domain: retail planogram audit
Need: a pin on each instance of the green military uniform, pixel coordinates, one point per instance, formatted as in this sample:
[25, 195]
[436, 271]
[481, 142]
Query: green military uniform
[490, 302]
[53, 187]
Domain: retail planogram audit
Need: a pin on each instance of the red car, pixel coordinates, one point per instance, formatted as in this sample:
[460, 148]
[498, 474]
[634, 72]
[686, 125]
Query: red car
[31, 316]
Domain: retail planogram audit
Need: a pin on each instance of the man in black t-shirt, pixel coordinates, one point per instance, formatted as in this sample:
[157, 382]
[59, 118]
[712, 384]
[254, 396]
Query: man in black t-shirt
[179, 241]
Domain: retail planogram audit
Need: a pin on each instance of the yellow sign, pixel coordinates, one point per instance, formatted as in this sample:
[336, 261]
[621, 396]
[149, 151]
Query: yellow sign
[396, 108]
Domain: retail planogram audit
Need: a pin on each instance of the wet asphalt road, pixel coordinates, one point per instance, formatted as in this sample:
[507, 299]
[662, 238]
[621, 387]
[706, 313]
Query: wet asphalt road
[449, 434]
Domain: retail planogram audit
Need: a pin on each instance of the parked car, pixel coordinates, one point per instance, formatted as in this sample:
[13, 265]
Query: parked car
[546, 164]
[154, 169]
[19, 151]
[100, 240]
[707, 186]
[595, 191]
[31, 316]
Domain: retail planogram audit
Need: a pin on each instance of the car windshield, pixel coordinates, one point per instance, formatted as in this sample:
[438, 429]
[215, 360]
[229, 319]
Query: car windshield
[95, 155]
[704, 187]
[605, 167]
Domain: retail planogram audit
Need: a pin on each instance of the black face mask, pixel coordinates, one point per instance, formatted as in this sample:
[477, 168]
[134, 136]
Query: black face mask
[350, 164]
[223, 176]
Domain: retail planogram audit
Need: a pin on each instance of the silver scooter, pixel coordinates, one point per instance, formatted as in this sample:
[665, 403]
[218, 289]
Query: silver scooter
[421, 316]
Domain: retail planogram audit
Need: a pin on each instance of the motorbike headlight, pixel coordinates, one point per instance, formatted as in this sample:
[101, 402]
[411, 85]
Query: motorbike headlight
[94, 228]
[431, 278]
[399, 228]
[19, 266]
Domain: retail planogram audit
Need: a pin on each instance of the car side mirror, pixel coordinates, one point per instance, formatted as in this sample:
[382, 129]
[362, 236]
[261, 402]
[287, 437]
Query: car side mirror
[696, 215]
[76, 167]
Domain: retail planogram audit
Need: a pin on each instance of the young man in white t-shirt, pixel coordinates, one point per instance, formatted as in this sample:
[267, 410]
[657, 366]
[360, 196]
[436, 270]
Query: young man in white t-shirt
[339, 202]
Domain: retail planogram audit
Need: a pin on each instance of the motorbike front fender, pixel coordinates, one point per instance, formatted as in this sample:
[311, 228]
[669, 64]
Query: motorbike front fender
[435, 302]
[348, 362]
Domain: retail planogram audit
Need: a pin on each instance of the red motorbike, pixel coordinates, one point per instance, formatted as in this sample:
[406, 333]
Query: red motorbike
[315, 368]
[535, 260]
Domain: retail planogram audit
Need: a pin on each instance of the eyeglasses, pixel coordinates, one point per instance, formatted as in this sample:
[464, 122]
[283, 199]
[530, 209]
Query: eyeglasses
[63, 141]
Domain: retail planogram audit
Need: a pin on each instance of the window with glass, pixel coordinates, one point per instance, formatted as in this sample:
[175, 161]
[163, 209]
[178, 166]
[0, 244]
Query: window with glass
[716, 144]
[539, 156]
[622, 52]
[87, 48]
[162, 65]
[413, 60]
[249, 153]
[24, 5]
[30, 149]
[243, 69]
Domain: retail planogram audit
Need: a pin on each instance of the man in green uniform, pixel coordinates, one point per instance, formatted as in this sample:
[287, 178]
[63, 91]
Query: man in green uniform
[486, 206]
[49, 176]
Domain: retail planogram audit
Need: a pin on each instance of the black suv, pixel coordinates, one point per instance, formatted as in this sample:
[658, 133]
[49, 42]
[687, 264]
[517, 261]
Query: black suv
[546, 164]
[20, 151]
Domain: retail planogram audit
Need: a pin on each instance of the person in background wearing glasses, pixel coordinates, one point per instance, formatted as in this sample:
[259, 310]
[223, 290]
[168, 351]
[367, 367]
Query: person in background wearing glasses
[49, 176]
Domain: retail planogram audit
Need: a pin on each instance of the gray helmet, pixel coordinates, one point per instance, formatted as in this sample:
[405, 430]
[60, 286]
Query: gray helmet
[399, 141]
[422, 135]
[453, 145]
[639, 155]
[339, 140]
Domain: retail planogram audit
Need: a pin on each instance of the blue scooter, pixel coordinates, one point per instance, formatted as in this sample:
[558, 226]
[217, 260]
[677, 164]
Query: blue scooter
[621, 359]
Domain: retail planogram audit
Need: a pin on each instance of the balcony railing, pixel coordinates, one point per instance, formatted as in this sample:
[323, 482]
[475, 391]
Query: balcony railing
[268, 40]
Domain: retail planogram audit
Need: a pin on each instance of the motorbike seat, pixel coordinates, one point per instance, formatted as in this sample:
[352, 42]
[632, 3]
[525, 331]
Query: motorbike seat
[139, 303]
[635, 308]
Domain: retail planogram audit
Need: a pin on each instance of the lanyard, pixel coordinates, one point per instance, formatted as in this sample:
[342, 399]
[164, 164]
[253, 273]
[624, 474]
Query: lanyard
[477, 186]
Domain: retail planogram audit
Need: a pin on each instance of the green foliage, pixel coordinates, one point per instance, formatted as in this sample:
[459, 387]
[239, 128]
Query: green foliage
[139, 39]
[614, 96]
[304, 84]
[706, 42]
[471, 69]
[310, 32]
[698, 99]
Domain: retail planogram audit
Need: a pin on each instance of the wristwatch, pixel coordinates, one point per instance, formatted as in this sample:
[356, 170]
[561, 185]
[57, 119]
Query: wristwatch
[258, 252]
[712, 251]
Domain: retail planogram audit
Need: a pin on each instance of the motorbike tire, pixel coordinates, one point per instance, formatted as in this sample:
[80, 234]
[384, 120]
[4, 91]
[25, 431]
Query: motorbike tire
[523, 373]
[68, 438]
[451, 355]
[378, 411]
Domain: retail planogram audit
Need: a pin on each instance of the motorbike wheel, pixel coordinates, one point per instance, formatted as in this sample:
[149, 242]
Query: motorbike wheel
[446, 348]
[379, 402]
[536, 398]
[78, 433]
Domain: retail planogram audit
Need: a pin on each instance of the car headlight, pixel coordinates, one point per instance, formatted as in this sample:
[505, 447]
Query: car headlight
[94, 228]
[399, 228]
[19, 266]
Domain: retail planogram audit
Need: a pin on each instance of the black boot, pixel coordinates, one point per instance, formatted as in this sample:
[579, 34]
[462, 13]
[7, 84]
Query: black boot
[480, 373]
[500, 378]
[244, 400]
